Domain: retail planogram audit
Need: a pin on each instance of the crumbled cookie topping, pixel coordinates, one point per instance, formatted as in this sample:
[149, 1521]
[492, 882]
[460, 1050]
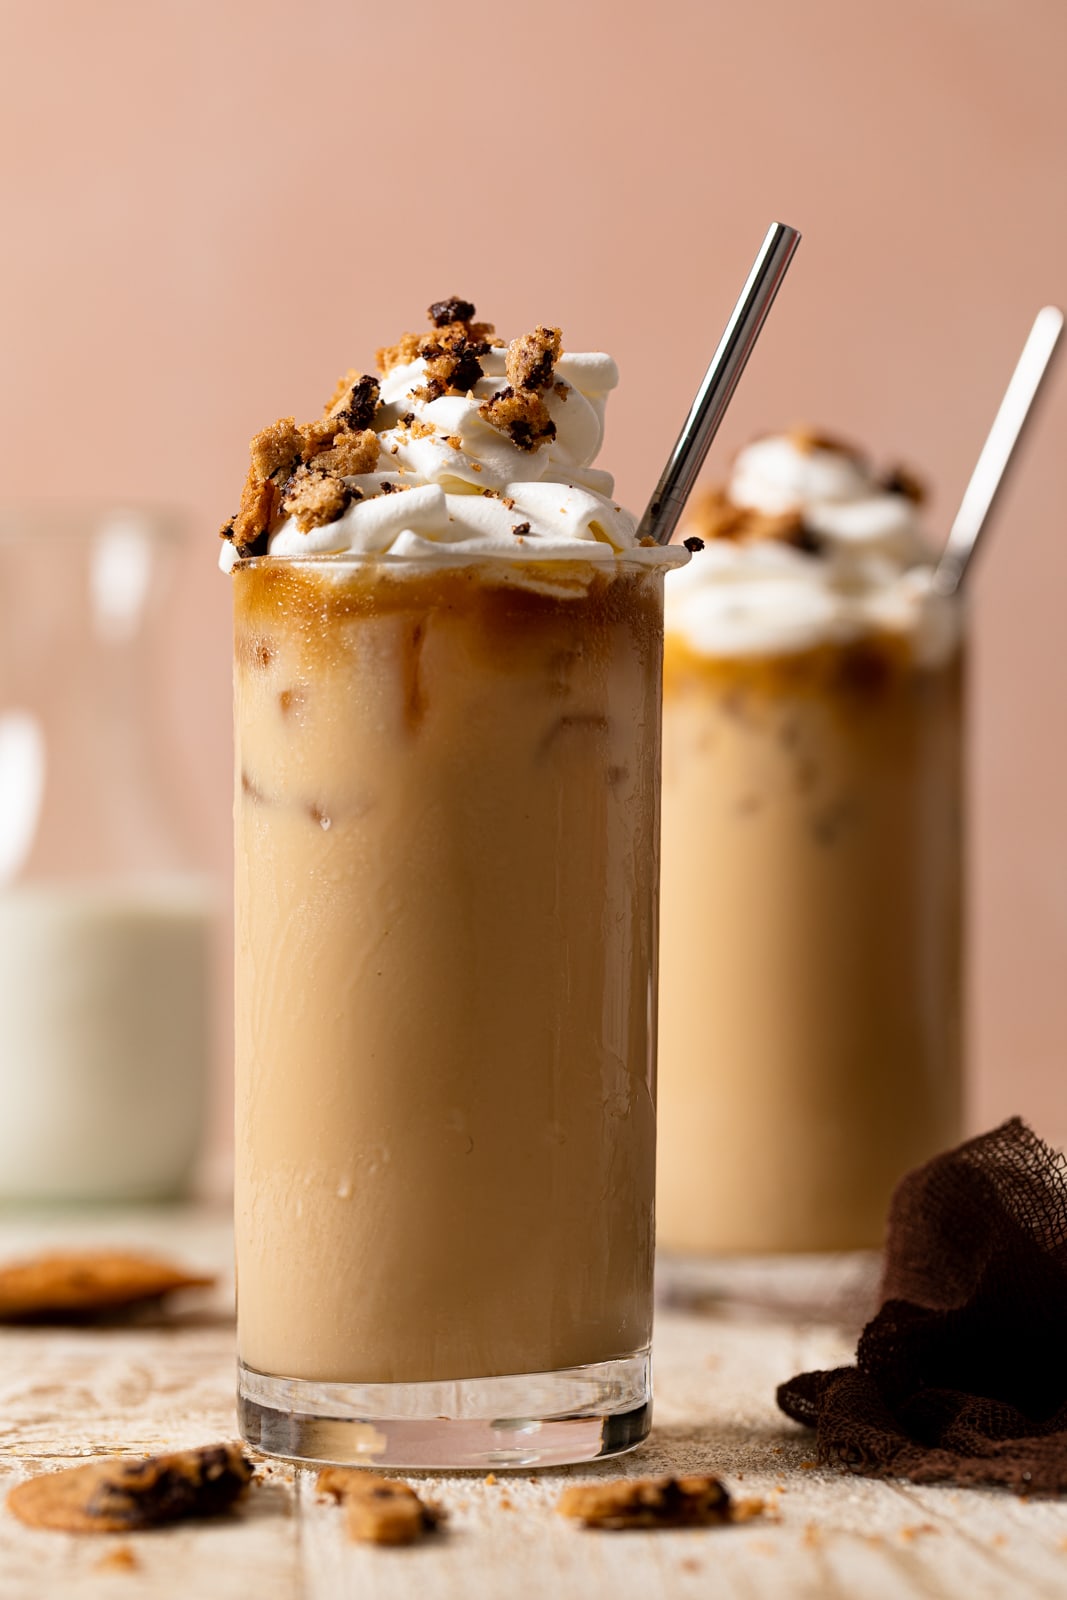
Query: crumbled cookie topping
[452, 361]
[719, 518]
[356, 405]
[807, 440]
[521, 529]
[523, 416]
[532, 357]
[648, 1503]
[901, 480]
[275, 449]
[693, 544]
[443, 312]
[314, 498]
[379, 1510]
[454, 318]
[352, 454]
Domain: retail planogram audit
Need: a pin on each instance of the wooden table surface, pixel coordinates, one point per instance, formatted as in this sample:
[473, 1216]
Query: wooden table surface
[724, 1338]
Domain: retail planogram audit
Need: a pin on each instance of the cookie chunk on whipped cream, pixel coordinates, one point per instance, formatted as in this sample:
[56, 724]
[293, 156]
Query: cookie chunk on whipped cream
[807, 545]
[461, 446]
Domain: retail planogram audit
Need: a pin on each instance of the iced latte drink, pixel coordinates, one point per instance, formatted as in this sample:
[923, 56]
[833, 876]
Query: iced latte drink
[448, 669]
[810, 991]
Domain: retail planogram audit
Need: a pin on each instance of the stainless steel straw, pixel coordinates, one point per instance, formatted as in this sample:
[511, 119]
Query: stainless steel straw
[997, 452]
[720, 381]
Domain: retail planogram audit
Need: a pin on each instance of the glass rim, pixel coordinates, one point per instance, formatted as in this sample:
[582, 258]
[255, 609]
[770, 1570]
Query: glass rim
[660, 558]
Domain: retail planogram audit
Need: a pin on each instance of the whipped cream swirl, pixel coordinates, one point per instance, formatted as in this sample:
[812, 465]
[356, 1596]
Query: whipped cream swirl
[451, 486]
[862, 562]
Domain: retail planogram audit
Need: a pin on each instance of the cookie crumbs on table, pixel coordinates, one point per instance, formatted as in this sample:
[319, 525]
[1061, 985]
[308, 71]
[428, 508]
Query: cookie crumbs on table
[689, 1502]
[379, 1510]
[122, 1494]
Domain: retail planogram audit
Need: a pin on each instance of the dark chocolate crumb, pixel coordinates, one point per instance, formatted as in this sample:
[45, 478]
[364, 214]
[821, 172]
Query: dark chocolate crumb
[693, 544]
[442, 312]
[520, 528]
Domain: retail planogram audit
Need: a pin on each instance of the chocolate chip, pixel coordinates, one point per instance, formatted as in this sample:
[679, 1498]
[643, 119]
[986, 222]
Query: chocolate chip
[693, 545]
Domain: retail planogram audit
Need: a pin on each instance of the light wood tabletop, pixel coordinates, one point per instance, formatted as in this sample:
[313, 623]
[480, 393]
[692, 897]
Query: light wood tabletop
[725, 1337]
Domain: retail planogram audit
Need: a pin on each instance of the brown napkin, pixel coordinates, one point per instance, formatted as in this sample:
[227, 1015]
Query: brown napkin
[961, 1376]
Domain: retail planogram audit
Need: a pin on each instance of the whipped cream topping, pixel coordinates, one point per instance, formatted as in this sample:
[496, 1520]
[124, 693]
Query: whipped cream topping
[452, 486]
[861, 563]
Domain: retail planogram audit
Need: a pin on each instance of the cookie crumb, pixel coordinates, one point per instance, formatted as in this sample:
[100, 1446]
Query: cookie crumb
[379, 1510]
[120, 1559]
[87, 1283]
[688, 1502]
[901, 480]
[401, 354]
[120, 1495]
[357, 403]
[522, 416]
[532, 357]
[314, 499]
[521, 529]
[454, 310]
[453, 361]
[276, 448]
[693, 544]
[352, 455]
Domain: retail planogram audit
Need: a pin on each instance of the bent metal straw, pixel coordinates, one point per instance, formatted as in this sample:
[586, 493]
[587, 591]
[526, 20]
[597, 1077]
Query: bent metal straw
[721, 379]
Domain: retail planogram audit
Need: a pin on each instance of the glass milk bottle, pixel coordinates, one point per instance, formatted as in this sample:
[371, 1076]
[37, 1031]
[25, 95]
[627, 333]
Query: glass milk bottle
[104, 924]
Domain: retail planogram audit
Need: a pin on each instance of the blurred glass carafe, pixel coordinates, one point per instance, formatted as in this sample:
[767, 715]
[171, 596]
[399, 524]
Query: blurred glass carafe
[104, 923]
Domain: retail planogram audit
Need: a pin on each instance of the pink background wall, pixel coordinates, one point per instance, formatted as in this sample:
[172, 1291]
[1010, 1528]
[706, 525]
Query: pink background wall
[212, 207]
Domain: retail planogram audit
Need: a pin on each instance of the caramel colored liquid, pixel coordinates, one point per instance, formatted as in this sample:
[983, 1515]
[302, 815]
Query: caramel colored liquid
[810, 990]
[447, 818]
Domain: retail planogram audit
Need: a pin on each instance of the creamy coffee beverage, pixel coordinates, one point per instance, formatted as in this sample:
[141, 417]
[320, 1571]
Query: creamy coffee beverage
[811, 888]
[448, 674]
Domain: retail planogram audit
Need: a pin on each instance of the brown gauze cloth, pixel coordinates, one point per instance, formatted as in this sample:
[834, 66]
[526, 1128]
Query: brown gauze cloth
[962, 1374]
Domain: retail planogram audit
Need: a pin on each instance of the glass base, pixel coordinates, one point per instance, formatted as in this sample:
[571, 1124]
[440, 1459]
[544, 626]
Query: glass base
[536, 1419]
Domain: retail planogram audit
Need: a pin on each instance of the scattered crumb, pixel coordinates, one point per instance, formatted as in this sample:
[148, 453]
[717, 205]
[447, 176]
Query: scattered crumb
[490, 1478]
[808, 1466]
[120, 1559]
[379, 1510]
[913, 1530]
[505, 1502]
[648, 1503]
[420, 429]
[521, 529]
[693, 544]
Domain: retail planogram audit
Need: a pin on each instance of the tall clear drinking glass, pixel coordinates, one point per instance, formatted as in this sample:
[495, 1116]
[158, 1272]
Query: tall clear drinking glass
[810, 1005]
[447, 824]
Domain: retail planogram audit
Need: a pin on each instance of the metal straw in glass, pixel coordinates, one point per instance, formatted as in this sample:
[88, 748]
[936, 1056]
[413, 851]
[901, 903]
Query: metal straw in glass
[721, 379]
